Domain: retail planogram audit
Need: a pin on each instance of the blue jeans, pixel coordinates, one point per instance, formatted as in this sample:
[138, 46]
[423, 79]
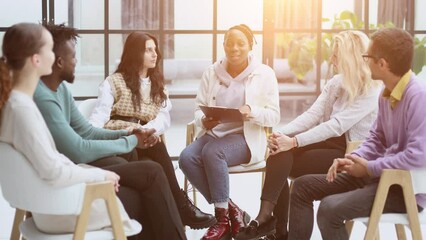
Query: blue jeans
[205, 163]
[345, 198]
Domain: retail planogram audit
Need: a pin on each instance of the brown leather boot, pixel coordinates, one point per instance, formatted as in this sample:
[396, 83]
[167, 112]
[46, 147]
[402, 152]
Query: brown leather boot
[239, 218]
[222, 229]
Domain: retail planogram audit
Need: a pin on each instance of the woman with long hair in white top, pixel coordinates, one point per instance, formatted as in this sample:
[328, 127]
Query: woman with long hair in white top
[134, 96]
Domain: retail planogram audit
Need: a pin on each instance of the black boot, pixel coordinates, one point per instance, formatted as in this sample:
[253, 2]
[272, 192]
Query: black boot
[193, 217]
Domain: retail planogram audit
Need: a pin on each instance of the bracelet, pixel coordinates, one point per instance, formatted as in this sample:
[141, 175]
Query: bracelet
[295, 144]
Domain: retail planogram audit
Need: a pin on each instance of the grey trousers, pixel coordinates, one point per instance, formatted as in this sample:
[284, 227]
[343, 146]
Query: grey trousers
[344, 199]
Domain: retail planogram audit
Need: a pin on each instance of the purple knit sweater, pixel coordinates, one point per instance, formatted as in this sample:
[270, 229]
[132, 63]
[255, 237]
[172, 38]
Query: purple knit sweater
[398, 138]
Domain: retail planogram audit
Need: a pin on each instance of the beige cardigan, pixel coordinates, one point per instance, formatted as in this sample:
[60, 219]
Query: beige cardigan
[261, 94]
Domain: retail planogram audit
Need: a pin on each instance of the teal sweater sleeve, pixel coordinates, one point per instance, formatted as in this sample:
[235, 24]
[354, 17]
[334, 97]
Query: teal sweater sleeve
[73, 135]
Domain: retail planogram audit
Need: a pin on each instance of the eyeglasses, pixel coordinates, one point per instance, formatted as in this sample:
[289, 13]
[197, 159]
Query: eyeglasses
[366, 57]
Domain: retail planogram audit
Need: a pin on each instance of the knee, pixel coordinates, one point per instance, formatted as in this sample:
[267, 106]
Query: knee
[156, 171]
[118, 160]
[212, 152]
[153, 167]
[328, 209]
[185, 159]
[302, 192]
[300, 185]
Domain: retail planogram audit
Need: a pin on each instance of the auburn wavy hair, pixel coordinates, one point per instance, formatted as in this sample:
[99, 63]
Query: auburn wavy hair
[20, 41]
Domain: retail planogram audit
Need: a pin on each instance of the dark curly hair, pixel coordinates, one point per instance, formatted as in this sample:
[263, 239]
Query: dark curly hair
[61, 34]
[130, 65]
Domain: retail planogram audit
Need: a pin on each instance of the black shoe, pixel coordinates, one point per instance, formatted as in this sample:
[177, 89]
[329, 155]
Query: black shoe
[193, 217]
[269, 237]
[255, 231]
[274, 237]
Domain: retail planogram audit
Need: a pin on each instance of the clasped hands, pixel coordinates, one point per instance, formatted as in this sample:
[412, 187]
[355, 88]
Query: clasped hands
[278, 142]
[146, 137]
[209, 122]
[352, 164]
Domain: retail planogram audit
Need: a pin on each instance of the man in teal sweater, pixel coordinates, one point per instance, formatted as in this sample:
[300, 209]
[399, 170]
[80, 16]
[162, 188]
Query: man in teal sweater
[76, 138]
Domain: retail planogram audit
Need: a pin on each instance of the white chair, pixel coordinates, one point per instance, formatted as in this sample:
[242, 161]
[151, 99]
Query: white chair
[412, 182]
[26, 191]
[191, 133]
[352, 145]
[86, 107]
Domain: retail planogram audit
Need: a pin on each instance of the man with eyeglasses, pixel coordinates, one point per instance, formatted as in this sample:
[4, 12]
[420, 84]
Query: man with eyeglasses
[367, 57]
[396, 141]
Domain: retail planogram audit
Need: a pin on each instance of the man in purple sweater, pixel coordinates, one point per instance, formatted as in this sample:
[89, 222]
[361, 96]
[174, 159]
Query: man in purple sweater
[397, 140]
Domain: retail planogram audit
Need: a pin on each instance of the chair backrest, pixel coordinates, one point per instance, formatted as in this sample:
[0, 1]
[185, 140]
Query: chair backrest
[352, 145]
[418, 178]
[86, 107]
[24, 189]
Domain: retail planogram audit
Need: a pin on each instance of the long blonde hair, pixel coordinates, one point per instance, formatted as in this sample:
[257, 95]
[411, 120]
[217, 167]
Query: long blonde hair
[348, 48]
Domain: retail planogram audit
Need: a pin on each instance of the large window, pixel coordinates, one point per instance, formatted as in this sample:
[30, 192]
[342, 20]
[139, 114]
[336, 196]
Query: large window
[293, 36]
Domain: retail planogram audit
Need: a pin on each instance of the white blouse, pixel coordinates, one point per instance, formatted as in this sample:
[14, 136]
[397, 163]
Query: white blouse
[102, 112]
[331, 115]
[23, 127]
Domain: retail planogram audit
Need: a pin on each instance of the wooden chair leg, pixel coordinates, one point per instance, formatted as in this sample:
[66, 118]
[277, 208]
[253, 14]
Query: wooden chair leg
[185, 185]
[349, 225]
[378, 205]
[377, 237]
[19, 217]
[194, 192]
[412, 211]
[400, 232]
[103, 191]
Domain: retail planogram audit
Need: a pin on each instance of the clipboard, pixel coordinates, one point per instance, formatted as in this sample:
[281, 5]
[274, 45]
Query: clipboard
[222, 114]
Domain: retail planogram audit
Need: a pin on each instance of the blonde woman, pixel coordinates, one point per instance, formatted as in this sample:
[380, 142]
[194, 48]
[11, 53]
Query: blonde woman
[345, 110]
